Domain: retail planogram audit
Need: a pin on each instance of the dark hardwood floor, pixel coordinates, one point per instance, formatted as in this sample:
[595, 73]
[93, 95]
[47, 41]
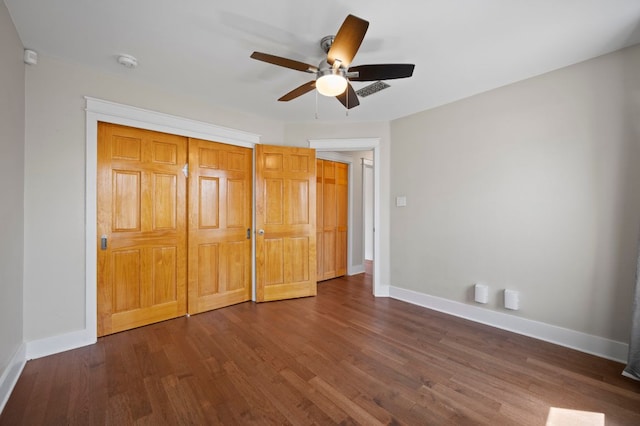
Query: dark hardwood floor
[342, 357]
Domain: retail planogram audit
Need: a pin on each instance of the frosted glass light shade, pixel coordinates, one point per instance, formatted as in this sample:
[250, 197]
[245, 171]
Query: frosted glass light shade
[331, 84]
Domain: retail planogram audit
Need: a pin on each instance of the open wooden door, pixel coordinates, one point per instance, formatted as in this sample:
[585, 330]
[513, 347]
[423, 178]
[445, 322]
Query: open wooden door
[219, 225]
[285, 222]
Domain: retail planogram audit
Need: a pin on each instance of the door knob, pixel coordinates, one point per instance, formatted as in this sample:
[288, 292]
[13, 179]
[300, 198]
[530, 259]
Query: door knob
[260, 231]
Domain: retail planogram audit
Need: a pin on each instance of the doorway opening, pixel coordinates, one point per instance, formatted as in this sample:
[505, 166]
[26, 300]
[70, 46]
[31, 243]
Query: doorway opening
[328, 148]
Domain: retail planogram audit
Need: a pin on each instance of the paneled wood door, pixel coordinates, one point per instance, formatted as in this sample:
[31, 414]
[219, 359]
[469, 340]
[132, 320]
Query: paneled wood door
[220, 198]
[142, 249]
[319, 220]
[342, 217]
[333, 198]
[285, 222]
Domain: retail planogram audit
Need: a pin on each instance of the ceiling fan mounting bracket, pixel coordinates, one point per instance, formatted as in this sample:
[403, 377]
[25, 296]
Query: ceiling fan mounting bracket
[326, 42]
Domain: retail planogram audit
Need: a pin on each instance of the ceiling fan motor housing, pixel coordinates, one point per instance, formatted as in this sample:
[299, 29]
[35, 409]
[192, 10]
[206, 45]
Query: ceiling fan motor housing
[326, 43]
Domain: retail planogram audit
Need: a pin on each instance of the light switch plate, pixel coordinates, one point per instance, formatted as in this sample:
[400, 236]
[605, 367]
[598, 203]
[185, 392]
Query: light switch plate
[401, 201]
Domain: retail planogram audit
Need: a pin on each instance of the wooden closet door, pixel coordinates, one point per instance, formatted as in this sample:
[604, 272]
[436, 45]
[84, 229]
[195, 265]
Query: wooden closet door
[342, 217]
[330, 218]
[333, 197]
[319, 218]
[285, 222]
[141, 241]
[220, 197]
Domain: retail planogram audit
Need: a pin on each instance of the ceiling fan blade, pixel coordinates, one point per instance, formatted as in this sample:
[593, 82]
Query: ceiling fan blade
[352, 97]
[347, 41]
[381, 72]
[284, 62]
[299, 91]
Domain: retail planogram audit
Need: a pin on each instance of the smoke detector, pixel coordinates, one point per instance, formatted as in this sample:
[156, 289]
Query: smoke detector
[127, 61]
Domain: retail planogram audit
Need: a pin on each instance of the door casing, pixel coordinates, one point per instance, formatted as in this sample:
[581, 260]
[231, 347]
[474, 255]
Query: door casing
[323, 146]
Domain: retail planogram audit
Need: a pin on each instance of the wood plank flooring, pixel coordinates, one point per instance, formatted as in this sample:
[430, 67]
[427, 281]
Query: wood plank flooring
[342, 357]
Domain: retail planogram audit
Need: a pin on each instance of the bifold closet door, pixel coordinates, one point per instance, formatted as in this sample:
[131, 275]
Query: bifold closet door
[142, 227]
[333, 194]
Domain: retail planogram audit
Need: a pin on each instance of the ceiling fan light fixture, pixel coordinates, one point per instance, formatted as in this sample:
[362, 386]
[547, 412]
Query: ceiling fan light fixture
[331, 82]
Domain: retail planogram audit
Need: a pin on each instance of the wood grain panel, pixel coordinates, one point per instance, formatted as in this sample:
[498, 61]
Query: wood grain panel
[235, 205]
[275, 258]
[297, 250]
[127, 280]
[165, 197]
[126, 193]
[299, 163]
[164, 274]
[341, 253]
[273, 196]
[329, 254]
[208, 158]
[300, 202]
[236, 161]
[125, 148]
[208, 202]
[208, 267]
[329, 206]
[273, 162]
[165, 153]
[236, 265]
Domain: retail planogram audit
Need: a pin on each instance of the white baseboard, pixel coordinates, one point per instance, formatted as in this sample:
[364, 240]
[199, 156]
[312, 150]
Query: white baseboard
[55, 344]
[382, 291]
[355, 269]
[10, 376]
[583, 342]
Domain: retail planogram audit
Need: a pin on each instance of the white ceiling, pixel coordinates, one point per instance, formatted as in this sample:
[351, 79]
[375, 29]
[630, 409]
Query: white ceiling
[201, 47]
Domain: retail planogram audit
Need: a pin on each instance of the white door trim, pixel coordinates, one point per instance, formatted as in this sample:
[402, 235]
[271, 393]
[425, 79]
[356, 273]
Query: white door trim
[362, 144]
[126, 115]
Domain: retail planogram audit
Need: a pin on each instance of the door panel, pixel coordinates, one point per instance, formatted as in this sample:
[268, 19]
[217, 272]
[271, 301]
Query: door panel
[142, 214]
[333, 198]
[220, 195]
[342, 217]
[329, 213]
[319, 220]
[285, 211]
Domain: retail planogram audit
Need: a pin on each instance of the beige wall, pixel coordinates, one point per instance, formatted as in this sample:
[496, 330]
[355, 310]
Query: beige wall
[11, 188]
[54, 289]
[532, 187]
[356, 207]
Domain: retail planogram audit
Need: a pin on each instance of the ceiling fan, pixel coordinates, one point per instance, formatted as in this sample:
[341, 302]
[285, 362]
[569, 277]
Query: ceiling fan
[333, 74]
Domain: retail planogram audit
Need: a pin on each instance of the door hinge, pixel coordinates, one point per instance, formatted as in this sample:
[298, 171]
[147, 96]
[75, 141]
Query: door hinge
[185, 170]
